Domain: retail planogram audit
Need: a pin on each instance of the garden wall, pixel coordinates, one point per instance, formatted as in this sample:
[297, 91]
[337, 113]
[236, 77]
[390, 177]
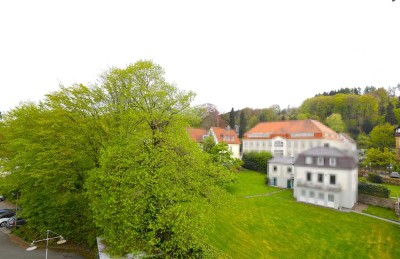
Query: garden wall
[376, 201]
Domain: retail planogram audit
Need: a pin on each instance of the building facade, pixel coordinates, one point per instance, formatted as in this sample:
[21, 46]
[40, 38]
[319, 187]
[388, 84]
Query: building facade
[281, 172]
[227, 136]
[290, 138]
[326, 177]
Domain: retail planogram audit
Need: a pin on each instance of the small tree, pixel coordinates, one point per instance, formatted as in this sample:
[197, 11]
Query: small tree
[382, 136]
[335, 122]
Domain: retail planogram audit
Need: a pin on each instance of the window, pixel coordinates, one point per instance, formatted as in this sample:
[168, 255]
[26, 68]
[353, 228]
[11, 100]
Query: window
[303, 192]
[295, 144]
[289, 169]
[278, 153]
[308, 176]
[332, 161]
[326, 144]
[332, 179]
[257, 144]
[278, 144]
[263, 144]
[320, 178]
[275, 168]
[312, 194]
[308, 160]
[321, 196]
[331, 198]
[289, 143]
[302, 144]
[320, 160]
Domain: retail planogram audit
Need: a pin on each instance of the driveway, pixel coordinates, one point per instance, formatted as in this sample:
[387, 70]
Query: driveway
[12, 247]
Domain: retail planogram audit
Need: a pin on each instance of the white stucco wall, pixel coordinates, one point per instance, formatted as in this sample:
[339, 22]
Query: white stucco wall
[346, 180]
[281, 174]
[235, 150]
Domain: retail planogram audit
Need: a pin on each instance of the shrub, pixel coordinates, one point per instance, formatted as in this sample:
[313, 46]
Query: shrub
[257, 161]
[373, 189]
[375, 178]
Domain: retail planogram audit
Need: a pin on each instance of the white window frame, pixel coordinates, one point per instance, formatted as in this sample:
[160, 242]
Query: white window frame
[332, 161]
[320, 160]
[308, 160]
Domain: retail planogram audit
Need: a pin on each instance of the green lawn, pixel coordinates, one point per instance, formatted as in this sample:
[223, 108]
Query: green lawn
[394, 189]
[381, 212]
[276, 226]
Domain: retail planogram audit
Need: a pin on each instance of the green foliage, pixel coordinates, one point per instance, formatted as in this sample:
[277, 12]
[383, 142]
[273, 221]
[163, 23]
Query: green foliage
[220, 154]
[243, 124]
[363, 141]
[373, 189]
[378, 158]
[257, 161]
[375, 178]
[156, 183]
[390, 116]
[335, 122]
[232, 122]
[382, 136]
[88, 157]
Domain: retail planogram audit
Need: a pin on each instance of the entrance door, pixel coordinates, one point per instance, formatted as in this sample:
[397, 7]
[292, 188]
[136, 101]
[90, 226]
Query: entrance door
[274, 181]
[289, 184]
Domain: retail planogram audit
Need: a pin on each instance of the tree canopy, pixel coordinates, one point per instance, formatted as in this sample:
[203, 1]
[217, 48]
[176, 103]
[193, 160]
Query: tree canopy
[114, 160]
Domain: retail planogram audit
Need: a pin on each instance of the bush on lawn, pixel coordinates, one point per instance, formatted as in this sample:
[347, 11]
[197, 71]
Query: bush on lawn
[373, 189]
[375, 178]
[257, 161]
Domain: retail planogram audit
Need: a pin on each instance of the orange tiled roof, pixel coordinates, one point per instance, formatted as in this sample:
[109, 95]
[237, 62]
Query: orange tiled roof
[197, 134]
[287, 128]
[225, 135]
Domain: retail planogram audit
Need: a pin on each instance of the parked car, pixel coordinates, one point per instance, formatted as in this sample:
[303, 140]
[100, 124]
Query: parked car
[11, 222]
[6, 213]
[394, 175]
[2, 198]
[3, 222]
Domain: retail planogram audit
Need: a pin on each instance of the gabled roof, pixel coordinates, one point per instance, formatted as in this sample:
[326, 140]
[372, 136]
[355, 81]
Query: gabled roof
[227, 135]
[197, 134]
[286, 128]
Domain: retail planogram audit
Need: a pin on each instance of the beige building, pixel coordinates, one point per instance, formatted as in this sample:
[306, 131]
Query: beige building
[290, 138]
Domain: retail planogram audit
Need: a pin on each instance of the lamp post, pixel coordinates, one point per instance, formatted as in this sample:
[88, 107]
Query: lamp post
[59, 242]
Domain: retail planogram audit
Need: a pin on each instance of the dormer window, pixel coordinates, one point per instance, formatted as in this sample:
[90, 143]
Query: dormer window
[332, 161]
[308, 160]
[320, 160]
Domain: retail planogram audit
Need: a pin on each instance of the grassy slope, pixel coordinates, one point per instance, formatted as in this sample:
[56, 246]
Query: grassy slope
[277, 227]
[381, 212]
[394, 189]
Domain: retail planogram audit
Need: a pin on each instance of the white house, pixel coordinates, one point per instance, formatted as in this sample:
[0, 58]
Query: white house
[290, 138]
[227, 136]
[281, 172]
[327, 177]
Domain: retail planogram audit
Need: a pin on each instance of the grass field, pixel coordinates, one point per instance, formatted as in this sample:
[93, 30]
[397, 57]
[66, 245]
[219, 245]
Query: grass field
[381, 212]
[276, 226]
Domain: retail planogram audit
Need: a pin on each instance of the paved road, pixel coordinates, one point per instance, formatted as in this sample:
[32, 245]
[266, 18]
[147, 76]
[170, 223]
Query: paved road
[13, 248]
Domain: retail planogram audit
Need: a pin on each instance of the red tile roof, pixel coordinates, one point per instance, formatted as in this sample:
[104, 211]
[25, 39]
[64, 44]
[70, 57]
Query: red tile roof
[227, 136]
[306, 129]
[197, 134]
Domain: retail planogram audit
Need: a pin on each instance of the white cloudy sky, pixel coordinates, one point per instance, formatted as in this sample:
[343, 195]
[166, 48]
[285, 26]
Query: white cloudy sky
[231, 53]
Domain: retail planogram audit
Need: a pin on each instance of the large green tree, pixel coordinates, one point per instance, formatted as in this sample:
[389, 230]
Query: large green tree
[156, 183]
[382, 136]
[335, 122]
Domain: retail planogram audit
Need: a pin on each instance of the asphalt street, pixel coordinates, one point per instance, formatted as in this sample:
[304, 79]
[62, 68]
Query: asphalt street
[12, 247]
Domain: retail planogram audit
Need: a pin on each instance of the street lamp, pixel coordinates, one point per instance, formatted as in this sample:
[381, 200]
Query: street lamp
[59, 242]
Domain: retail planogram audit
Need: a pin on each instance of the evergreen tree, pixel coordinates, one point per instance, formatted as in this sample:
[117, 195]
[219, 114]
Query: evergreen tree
[232, 119]
[390, 116]
[243, 124]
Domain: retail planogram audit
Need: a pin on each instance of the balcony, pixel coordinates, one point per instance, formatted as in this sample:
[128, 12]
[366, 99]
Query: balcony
[319, 186]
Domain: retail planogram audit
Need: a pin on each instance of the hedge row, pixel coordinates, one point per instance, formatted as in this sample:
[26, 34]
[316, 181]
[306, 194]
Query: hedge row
[373, 189]
[257, 161]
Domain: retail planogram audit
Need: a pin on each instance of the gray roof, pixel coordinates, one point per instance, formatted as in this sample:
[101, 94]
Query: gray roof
[282, 160]
[324, 151]
[343, 160]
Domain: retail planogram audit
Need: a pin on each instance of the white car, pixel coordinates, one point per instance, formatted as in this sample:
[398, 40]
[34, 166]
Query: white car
[2, 198]
[3, 222]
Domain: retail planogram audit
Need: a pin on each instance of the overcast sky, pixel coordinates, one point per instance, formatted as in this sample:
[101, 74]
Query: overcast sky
[231, 53]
